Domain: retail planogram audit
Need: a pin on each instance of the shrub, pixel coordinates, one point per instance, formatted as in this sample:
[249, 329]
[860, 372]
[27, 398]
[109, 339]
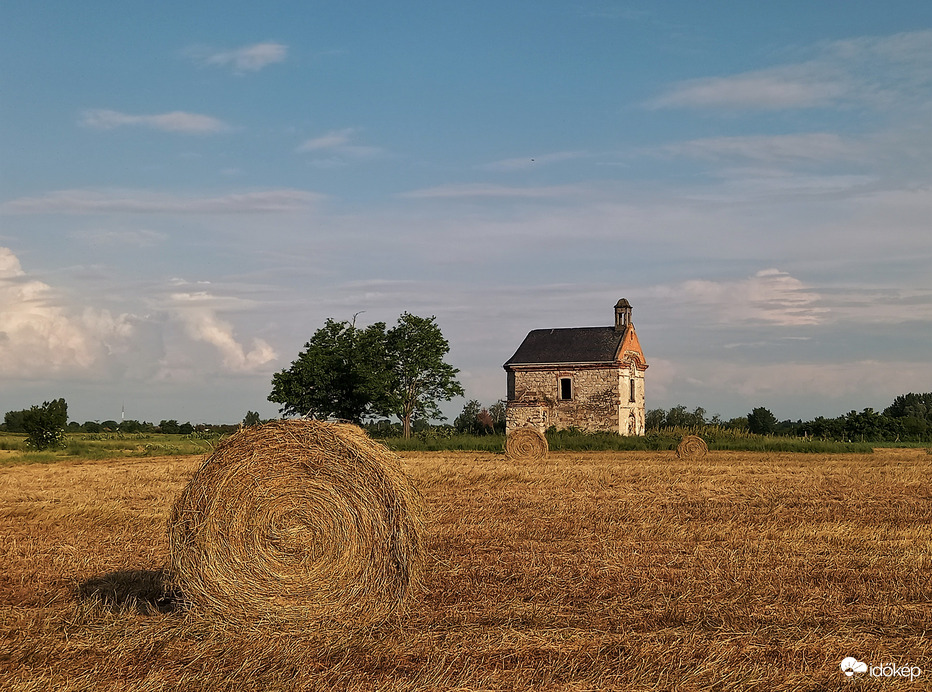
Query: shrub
[45, 425]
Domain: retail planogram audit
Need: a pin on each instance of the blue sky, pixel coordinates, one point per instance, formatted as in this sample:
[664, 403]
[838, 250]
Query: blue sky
[188, 190]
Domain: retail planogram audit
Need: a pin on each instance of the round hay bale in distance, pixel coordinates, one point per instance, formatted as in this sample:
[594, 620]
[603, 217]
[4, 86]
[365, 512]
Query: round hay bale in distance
[526, 444]
[298, 518]
[691, 447]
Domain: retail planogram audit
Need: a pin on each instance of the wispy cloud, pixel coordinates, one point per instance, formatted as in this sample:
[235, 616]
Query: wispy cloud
[334, 148]
[145, 201]
[489, 190]
[176, 121]
[854, 71]
[251, 58]
[818, 147]
[788, 87]
[613, 11]
[770, 296]
[141, 238]
[877, 306]
[331, 140]
[852, 383]
[529, 162]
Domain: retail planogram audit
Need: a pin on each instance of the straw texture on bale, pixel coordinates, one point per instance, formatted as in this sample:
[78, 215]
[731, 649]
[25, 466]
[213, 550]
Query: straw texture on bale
[298, 518]
[691, 447]
[526, 444]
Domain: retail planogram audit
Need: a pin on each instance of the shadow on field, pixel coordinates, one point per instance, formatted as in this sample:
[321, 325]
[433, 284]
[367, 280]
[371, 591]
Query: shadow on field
[144, 591]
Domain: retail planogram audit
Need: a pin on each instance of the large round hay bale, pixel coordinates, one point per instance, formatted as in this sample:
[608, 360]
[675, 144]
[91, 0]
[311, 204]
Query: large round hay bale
[302, 518]
[691, 447]
[526, 444]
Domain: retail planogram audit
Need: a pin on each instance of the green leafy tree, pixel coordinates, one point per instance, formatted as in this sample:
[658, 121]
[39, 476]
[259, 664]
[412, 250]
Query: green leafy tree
[45, 425]
[419, 375]
[351, 373]
[13, 421]
[913, 426]
[761, 422]
[677, 416]
[130, 426]
[913, 414]
[870, 425]
[654, 418]
[467, 422]
[342, 373]
[170, 427]
[476, 420]
[251, 418]
[825, 428]
[497, 412]
[911, 406]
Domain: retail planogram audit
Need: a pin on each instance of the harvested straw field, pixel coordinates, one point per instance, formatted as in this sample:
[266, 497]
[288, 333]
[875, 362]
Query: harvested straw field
[587, 571]
[301, 518]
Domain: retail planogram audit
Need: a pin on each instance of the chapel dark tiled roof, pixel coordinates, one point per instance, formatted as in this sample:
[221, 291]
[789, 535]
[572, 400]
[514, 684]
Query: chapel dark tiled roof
[573, 345]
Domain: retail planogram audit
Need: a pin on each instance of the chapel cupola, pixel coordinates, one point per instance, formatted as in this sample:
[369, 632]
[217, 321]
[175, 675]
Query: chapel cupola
[622, 315]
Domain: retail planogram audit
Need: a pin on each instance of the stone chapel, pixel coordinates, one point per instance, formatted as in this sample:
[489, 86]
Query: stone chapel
[591, 378]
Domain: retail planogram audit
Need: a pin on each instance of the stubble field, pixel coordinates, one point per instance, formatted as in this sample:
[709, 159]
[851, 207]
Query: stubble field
[590, 571]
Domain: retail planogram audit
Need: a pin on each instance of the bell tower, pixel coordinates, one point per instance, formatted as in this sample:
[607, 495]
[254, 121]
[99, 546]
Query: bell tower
[622, 315]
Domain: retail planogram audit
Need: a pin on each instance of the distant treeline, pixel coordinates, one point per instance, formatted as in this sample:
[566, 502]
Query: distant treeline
[13, 422]
[907, 419]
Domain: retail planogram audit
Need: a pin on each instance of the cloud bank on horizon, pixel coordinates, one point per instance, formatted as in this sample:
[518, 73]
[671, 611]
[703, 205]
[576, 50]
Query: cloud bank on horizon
[176, 225]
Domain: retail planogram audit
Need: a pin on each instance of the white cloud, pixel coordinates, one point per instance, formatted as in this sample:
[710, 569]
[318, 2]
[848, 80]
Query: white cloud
[819, 147]
[250, 58]
[907, 49]
[41, 337]
[530, 162]
[881, 72]
[769, 297]
[137, 238]
[878, 306]
[338, 144]
[840, 379]
[330, 140]
[489, 190]
[778, 88]
[44, 337]
[198, 312]
[791, 388]
[175, 121]
[145, 201]
[747, 183]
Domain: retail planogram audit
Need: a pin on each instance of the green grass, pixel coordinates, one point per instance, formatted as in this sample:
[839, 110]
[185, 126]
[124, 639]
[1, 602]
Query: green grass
[105, 446]
[482, 443]
[716, 437]
[12, 441]
[114, 445]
